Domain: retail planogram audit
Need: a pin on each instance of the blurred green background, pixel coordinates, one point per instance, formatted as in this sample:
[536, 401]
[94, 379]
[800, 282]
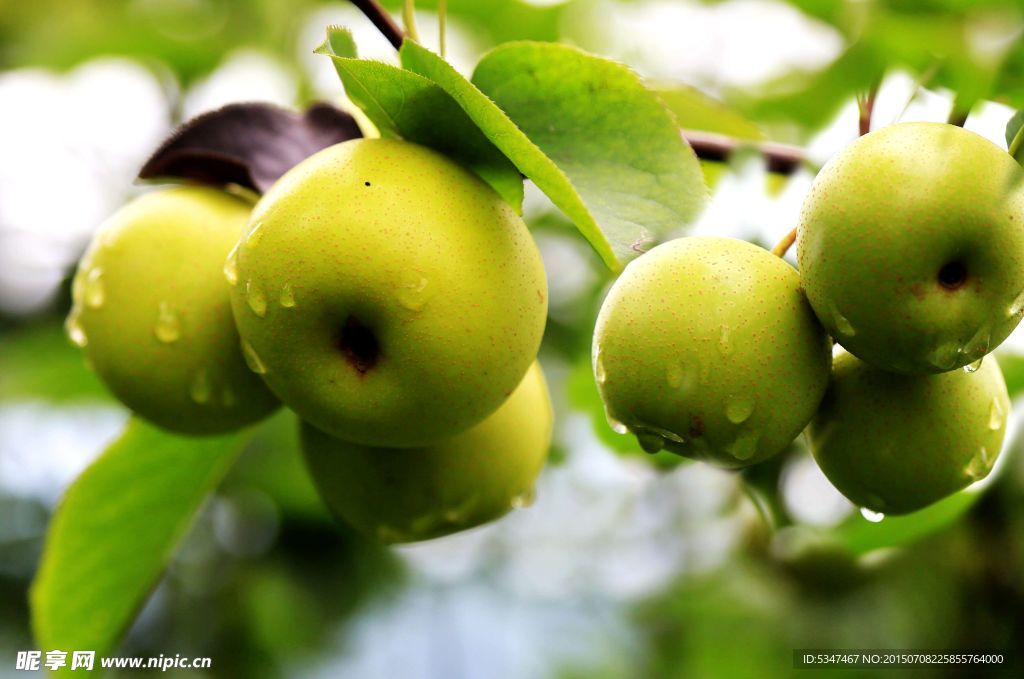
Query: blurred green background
[627, 565]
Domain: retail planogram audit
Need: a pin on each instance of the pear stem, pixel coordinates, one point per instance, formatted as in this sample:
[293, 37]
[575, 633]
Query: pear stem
[787, 241]
[442, 26]
[958, 116]
[866, 106]
[781, 158]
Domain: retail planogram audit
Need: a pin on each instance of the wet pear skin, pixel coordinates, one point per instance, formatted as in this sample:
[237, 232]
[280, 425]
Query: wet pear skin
[388, 295]
[410, 494]
[706, 347]
[152, 312]
[896, 443]
[911, 247]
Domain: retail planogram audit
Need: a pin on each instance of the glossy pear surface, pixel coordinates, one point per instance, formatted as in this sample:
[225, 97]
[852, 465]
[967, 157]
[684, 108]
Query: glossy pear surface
[911, 247]
[897, 443]
[707, 347]
[388, 295]
[411, 494]
[152, 312]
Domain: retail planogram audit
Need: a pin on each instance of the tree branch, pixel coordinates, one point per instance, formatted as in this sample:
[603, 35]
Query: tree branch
[782, 158]
[382, 20]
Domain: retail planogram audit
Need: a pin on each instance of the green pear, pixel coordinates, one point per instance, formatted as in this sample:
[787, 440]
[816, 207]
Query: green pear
[707, 347]
[388, 295]
[412, 494]
[911, 247]
[152, 312]
[896, 443]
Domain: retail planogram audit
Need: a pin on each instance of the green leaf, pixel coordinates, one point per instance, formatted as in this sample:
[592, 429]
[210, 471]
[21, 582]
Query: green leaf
[695, 110]
[587, 132]
[1015, 136]
[339, 43]
[39, 362]
[115, 530]
[404, 105]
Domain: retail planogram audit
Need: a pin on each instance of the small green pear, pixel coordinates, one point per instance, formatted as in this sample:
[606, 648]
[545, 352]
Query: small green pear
[387, 294]
[707, 347]
[411, 494]
[896, 443]
[152, 312]
[911, 247]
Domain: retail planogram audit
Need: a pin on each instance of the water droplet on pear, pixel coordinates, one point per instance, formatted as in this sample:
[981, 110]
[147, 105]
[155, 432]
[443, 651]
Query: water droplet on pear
[252, 359]
[287, 297]
[200, 389]
[168, 327]
[231, 265]
[739, 409]
[255, 298]
[93, 293]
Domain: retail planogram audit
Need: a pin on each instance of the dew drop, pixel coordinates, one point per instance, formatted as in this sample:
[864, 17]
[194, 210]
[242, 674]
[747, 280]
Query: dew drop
[74, 329]
[287, 298]
[255, 235]
[1017, 308]
[414, 296]
[660, 432]
[200, 388]
[974, 367]
[92, 293]
[231, 265]
[617, 427]
[459, 514]
[842, 323]
[651, 443]
[873, 517]
[996, 415]
[739, 409]
[745, 445]
[980, 465]
[978, 345]
[946, 356]
[599, 372]
[252, 359]
[255, 298]
[167, 328]
[524, 499]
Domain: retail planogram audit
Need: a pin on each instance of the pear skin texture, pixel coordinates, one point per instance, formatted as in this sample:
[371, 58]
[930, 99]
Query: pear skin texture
[911, 247]
[410, 494]
[897, 443]
[154, 312]
[389, 296]
[707, 347]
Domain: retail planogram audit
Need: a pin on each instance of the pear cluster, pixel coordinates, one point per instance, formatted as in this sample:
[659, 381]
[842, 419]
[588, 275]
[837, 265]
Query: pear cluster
[911, 258]
[381, 291]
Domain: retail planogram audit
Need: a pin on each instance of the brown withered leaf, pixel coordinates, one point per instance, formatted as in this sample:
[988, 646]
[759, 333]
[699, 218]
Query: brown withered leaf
[249, 144]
